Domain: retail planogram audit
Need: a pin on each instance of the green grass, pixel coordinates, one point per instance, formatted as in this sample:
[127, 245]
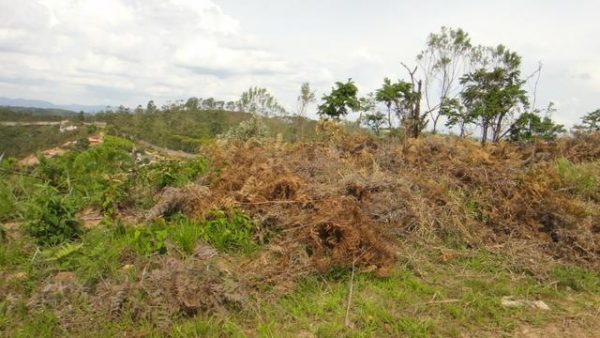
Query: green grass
[424, 297]
[582, 179]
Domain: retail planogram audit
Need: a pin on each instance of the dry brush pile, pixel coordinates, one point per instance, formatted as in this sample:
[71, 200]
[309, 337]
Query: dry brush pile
[352, 205]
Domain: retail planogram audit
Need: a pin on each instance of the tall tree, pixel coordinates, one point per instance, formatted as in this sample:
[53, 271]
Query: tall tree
[259, 100]
[493, 92]
[413, 120]
[340, 101]
[446, 57]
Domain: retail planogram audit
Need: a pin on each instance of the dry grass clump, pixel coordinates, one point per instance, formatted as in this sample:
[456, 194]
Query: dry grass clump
[346, 202]
[190, 199]
[171, 287]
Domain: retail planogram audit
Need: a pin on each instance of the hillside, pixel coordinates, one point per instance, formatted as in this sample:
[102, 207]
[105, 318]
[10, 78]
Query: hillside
[40, 104]
[352, 235]
[24, 114]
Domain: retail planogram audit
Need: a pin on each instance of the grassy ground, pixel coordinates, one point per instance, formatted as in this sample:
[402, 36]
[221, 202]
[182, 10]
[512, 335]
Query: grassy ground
[437, 287]
[434, 291]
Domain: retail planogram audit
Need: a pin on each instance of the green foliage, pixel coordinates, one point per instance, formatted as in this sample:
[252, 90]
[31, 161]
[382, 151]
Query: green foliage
[24, 140]
[443, 61]
[252, 128]
[229, 231]
[7, 199]
[456, 114]
[150, 240]
[531, 126]
[171, 173]
[375, 121]
[61, 251]
[393, 96]
[51, 218]
[260, 101]
[576, 278]
[340, 101]
[590, 122]
[29, 114]
[186, 234]
[582, 179]
[492, 94]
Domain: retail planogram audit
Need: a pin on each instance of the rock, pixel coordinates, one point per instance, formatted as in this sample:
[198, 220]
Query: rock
[509, 301]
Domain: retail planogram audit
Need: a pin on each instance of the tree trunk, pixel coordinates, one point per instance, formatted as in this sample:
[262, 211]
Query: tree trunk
[484, 132]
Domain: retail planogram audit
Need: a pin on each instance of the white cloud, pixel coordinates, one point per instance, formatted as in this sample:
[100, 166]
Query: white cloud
[143, 48]
[130, 51]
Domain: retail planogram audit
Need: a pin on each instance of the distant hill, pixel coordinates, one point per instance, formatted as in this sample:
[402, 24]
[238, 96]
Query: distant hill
[48, 105]
[8, 113]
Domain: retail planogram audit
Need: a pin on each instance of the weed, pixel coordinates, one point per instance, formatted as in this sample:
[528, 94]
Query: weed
[230, 231]
[150, 240]
[186, 234]
[51, 218]
[577, 279]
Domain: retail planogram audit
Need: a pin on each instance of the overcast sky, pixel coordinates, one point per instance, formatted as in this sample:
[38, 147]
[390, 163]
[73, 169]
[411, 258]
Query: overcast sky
[112, 52]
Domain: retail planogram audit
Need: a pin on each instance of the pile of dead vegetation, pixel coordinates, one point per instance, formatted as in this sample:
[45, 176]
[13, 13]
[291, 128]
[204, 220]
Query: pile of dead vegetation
[324, 205]
[351, 205]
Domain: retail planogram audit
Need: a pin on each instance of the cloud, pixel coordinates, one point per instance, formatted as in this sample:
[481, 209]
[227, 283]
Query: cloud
[130, 51]
[120, 49]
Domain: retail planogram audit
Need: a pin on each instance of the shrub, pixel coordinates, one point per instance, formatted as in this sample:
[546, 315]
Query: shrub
[51, 218]
[230, 231]
[251, 128]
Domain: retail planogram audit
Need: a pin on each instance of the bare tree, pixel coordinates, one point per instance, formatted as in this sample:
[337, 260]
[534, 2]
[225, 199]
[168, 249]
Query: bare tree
[447, 56]
[307, 97]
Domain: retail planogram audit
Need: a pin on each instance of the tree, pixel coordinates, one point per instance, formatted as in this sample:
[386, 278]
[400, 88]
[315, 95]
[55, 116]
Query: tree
[590, 122]
[151, 107]
[413, 121]
[493, 92]
[391, 94]
[193, 103]
[456, 115]
[530, 126]
[230, 106]
[340, 101]
[445, 59]
[306, 97]
[375, 120]
[259, 100]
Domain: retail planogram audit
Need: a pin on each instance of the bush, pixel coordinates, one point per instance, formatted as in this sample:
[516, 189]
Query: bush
[51, 218]
[230, 231]
[251, 128]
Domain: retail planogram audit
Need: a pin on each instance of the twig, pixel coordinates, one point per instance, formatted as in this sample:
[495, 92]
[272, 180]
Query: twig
[37, 250]
[347, 318]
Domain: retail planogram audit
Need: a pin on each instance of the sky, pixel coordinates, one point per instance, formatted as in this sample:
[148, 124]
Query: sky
[112, 52]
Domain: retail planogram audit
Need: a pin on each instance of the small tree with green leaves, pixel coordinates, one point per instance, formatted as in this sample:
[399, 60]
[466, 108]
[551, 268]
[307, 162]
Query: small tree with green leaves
[494, 91]
[375, 120]
[456, 115]
[530, 126]
[590, 122]
[391, 95]
[340, 101]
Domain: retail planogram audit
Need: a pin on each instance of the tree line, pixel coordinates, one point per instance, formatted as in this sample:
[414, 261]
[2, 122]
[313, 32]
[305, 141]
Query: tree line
[455, 81]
